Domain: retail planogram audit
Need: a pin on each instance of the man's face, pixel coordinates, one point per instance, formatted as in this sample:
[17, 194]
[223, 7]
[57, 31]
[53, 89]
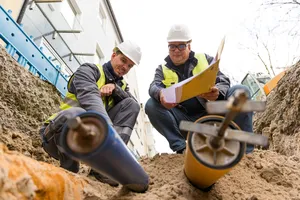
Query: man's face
[121, 64]
[179, 52]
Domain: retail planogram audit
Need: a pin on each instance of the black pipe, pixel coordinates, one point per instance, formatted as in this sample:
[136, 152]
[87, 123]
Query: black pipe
[22, 11]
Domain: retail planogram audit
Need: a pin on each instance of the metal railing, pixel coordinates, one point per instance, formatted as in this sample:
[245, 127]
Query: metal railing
[21, 46]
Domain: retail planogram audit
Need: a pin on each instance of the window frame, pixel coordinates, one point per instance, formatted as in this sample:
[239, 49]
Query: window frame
[99, 54]
[102, 16]
[76, 12]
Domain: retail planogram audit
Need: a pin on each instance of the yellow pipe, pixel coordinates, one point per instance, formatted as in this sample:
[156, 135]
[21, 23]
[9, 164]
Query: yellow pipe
[199, 167]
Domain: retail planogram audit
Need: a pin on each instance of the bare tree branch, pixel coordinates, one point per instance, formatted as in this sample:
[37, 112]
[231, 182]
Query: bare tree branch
[284, 29]
[283, 3]
[266, 66]
[269, 56]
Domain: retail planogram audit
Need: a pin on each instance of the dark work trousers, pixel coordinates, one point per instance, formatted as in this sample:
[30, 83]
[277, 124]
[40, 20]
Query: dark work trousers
[123, 115]
[166, 122]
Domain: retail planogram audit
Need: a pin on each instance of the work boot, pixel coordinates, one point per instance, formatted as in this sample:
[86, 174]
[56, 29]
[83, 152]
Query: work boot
[181, 151]
[124, 132]
[68, 163]
[103, 178]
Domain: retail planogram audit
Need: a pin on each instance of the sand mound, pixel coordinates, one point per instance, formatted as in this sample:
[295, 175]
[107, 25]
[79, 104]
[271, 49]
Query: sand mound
[25, 102]
[281, 120]
[262, 175]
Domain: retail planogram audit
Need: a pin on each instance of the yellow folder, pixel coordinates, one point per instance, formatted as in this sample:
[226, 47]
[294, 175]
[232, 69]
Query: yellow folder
[195, 85]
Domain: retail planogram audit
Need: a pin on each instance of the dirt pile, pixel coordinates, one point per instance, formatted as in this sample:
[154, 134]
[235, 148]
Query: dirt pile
[25, 101]
[281, 119]
[262, 175]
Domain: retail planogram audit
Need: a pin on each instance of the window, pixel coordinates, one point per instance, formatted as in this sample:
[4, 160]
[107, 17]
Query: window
[135, 94]
[68, 13]
[130, 145]
[138, 154]
[137, 133]
[71, 12]
[251, 83]
[82, 59]
[102, 16]
[256, 90]
[54, 57]
[98, 57]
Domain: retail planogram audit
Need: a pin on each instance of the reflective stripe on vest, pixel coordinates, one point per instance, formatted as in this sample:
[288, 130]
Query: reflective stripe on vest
[170, 77]
[71, 101]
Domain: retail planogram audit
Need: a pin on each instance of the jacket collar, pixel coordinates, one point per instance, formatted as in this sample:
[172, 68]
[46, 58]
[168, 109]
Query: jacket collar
[110, 73]
[191, 60]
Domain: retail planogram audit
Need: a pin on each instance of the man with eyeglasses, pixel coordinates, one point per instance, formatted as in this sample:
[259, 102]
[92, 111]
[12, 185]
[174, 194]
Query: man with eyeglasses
[180, 64]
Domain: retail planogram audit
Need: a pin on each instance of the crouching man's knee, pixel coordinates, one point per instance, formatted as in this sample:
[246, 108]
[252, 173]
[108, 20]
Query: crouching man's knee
[232, 90]
[151, 106]
[132, 105]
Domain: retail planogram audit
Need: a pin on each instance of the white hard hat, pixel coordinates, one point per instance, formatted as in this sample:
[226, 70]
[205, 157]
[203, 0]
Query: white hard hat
[131, 51]
[179, 33]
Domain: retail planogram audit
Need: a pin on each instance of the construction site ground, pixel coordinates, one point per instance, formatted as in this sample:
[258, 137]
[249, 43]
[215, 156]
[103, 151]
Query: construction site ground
[27, 172]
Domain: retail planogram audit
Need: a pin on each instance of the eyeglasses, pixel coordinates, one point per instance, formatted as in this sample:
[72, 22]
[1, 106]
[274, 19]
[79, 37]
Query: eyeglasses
[180, 47]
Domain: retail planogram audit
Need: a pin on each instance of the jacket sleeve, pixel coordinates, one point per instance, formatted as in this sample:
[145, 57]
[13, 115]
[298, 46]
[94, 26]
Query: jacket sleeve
[223, 84]
[209, 58]
[222, 81]
[156, 86]
[119, 94]
[84, 86]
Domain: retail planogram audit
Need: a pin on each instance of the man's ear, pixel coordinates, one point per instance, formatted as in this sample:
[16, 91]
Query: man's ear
[113, 55]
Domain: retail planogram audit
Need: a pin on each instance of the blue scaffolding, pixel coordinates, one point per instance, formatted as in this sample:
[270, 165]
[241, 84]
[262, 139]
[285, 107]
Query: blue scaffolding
[20, 46]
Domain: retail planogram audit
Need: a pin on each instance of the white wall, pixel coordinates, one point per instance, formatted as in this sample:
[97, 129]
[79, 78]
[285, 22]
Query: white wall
[151, 151]
[93, 31]
[138, 137]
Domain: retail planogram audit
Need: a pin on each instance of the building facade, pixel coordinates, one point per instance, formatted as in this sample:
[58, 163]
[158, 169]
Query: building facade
[142, 140]
[72, 32]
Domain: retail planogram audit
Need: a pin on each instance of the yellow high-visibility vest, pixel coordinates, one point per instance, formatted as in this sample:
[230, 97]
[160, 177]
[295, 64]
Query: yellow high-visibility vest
[170, 77]
[71, 101]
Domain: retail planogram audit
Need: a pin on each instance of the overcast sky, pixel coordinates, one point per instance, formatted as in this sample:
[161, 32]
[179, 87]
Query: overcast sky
[148, 22]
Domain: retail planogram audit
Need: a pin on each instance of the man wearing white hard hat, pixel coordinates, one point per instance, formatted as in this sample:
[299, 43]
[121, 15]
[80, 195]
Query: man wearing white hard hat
[180, 64]
[99, 88]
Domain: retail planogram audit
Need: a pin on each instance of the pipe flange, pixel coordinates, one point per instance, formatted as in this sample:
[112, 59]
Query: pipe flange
[82, 143]
[227, 153]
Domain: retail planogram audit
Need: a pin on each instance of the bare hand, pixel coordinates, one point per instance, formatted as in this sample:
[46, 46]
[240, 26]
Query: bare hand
[164, 103]
[106, 90]
[212, 95]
